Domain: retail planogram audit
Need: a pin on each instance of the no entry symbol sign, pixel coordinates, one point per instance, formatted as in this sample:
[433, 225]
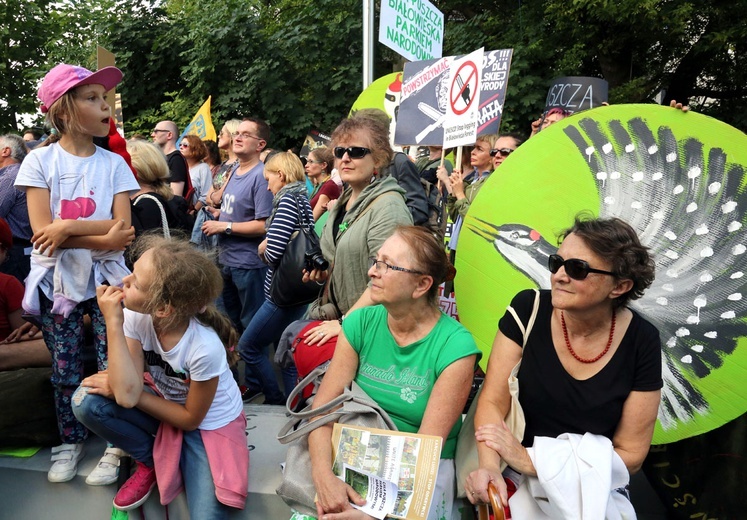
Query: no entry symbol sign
[463, 90]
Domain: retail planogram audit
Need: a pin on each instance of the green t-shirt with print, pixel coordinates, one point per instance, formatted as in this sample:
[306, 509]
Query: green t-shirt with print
[401, 379]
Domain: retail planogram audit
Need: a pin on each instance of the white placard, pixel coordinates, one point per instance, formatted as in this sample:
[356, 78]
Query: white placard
[462, 108]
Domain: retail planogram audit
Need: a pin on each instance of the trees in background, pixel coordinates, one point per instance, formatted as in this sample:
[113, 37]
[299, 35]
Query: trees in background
[297, 64]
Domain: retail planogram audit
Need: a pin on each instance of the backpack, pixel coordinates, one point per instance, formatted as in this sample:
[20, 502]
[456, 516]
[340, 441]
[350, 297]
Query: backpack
[422, 197]
[436, 222]
[180, 211]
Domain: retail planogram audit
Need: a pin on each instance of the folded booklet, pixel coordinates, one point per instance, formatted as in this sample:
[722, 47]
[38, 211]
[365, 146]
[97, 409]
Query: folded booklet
[395, 472]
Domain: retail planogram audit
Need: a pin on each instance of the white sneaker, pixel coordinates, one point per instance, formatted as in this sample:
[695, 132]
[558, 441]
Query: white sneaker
[107, 469]
[65, 458]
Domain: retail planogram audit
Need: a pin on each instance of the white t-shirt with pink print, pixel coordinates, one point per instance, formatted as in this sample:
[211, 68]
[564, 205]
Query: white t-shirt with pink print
[80, 188]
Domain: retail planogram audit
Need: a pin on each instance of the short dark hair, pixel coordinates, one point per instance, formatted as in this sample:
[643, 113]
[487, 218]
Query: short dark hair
[516, 137]
[616, 240]
[213, 152]
[36, 132]
[263, 129]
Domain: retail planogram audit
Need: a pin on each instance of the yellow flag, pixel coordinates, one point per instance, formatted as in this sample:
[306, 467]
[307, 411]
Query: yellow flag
[202, 124]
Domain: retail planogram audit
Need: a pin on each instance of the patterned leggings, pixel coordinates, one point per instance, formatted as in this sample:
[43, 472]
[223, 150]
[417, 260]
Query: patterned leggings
[65, 338]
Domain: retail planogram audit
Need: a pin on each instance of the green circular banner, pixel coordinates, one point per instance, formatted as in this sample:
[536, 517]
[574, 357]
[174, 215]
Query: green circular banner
[382, 94]
[678, 179]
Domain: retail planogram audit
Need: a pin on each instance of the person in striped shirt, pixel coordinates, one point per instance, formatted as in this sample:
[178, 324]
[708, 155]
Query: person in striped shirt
[285, 178]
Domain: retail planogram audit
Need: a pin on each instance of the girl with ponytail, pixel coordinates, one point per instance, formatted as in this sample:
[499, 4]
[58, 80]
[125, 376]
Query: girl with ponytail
[190, 422]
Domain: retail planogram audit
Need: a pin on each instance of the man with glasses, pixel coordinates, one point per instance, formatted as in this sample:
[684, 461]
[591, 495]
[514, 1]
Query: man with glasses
[165, 135]
[240, 225]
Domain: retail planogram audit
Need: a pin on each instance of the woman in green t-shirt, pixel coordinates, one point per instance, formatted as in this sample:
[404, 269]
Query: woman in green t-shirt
[410, 357]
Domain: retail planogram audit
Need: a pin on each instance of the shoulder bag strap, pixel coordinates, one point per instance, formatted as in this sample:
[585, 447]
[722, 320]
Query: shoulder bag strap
[164, 220]
[526, 331]
[325, 413]
[303, 221]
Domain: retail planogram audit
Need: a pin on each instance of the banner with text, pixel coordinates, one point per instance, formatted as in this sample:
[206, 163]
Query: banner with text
[413, 28]
[425, 98]
[576, 93]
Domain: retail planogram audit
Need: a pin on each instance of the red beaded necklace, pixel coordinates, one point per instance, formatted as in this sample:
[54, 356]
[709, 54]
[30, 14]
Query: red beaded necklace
[568, 341]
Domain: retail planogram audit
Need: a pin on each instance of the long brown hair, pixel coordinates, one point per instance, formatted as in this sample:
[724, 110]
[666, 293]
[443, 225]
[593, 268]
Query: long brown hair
[188, 281]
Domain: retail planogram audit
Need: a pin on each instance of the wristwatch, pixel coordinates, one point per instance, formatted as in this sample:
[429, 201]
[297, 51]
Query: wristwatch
[228, 229]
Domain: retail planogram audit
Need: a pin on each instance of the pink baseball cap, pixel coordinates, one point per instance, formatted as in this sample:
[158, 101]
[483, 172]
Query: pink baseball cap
[64, 77]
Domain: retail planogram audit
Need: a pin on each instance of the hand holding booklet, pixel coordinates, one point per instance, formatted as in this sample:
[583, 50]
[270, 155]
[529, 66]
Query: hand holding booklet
[395, 472]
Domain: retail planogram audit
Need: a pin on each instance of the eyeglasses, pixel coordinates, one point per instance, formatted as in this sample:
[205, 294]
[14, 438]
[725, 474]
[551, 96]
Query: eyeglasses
[183, 145]
[575, 268]
[312, 161]
[156, 130]
[505, 152]
[354, 152]
[245, 135]
[382, 267]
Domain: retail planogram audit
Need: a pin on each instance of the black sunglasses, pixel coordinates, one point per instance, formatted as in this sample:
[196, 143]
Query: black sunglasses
[505, 152]
[575, 268]
[354, 152]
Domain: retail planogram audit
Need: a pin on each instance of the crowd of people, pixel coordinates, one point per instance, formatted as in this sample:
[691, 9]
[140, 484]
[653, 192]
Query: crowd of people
[92, 237]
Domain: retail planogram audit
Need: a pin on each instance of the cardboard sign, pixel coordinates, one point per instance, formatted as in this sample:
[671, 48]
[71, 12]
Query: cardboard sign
[576, 93]
[460, 124]
[412, 28]
[425, 98]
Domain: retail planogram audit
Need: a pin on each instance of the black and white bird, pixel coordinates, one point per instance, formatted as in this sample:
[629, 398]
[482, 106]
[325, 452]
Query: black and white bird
[687, 203]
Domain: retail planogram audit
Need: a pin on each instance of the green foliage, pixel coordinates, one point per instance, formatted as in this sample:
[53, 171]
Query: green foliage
[23, 30]
[298, 64]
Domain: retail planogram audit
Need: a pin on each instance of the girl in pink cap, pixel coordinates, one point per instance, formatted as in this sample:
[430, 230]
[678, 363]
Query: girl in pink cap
[79, 209]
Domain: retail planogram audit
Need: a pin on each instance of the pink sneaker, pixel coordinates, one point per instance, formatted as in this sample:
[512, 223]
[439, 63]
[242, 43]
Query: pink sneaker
[137, 489]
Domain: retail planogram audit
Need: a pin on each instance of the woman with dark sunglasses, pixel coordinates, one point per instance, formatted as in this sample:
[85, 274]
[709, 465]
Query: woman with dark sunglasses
[590, 367]
[365, 215]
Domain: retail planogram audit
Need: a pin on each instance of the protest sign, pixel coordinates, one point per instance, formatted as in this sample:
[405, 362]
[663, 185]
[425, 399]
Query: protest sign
[576, 93]
[412, 28]
[314, 139]
[460, 123]
[424, 99]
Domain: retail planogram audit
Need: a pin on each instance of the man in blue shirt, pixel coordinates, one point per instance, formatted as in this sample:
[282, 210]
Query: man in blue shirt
[240, 225]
